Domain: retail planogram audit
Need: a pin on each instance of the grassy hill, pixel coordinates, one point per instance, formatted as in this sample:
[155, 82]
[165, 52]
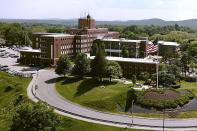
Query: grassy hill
[89, 92]
[12, 86]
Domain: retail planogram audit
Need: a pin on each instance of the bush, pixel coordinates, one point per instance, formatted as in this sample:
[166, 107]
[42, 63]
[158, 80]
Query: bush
[190, 79]
[160, 104]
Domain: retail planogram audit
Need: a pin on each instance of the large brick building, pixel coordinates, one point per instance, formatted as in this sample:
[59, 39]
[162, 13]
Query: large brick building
[77, 40]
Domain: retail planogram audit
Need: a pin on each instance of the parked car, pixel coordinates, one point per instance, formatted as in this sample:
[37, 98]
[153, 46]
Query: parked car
[4, 68]
[4, 56]
[1, 50]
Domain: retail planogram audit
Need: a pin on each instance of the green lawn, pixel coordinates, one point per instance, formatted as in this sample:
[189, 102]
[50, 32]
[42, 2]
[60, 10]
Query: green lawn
[76, 125]
[89, 92]
[192, 86]
[10, 87]
[18, 86]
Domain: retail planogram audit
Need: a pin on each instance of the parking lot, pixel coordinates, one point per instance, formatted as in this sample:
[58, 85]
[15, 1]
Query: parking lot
[8, 63]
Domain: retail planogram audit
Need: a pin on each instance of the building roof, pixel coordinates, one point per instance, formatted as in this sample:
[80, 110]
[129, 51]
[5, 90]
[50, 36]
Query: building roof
[168, 43]
[31, 50]
[44, 33]
[130, 60]
[56, 35]
[122, 40]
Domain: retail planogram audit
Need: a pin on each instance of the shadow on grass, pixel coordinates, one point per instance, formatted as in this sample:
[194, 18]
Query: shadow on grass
[70, 80]
[88, 84]
[54, 80]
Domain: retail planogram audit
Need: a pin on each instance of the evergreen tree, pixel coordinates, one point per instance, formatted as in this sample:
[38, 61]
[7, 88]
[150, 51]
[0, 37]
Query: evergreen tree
[82, 65]
[94, 49]
[63, 65]
[99, 64]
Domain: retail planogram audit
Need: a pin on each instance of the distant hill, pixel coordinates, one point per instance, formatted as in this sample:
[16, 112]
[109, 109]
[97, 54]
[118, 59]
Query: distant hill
[73, 22]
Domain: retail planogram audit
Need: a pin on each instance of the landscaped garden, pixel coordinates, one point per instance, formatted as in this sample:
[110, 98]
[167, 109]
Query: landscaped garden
[100, 92]
[117, 97]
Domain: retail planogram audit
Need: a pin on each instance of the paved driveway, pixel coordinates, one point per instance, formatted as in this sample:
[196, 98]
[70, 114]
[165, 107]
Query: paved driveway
[46, 92]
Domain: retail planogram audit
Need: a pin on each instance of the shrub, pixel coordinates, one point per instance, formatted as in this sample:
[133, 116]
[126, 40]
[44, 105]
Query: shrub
[161, 103]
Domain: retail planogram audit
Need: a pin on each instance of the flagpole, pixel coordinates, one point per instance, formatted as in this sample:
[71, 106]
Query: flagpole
[157, 70]
[157, 66]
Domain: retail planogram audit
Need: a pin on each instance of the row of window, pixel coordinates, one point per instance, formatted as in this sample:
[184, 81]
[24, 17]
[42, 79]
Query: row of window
[66, 46]
[44, 56]
[66, 52]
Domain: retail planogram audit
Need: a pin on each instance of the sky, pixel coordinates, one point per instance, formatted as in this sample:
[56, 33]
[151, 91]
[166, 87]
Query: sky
[99, 9]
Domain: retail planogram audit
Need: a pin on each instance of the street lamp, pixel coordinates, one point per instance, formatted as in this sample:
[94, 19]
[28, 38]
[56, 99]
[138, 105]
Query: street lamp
[157, 71]
[164, 112]
[119, 48]
[110, 48]
[132, 112]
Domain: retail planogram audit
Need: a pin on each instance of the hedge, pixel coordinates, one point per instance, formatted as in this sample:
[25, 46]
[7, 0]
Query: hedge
[160, 104]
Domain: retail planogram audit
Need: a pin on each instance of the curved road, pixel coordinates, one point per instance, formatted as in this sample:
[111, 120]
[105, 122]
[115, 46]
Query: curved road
[46, 92]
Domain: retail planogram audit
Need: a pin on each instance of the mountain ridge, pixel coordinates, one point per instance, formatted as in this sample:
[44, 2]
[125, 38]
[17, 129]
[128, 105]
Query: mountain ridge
[73, 22]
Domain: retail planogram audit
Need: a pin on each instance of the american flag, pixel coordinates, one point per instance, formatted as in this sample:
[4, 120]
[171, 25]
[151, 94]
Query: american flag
[151, 48]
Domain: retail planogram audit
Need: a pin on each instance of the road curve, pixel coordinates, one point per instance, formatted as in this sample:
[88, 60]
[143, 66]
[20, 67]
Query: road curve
[46, 92]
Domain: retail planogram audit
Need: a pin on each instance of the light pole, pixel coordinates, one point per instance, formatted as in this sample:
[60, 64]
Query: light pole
[132, 112]
[110, 48]
[119, 48]
[157, 71]
[164, 113]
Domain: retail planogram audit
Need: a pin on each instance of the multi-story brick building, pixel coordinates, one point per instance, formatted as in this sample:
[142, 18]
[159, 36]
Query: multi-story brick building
[50, 46]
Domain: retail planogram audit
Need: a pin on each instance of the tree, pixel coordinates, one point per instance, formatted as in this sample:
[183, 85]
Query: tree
[82, 65]
[165, 78]
[192, 49]
[94, 49]
[99, 64]
[173, 69]
[144, 76]
[34, 117]
[125, 52]
[185, 61]
[113, 70]
[56, 29]
[16, 34]
[177, 27]
[134, 79]
[63, 65]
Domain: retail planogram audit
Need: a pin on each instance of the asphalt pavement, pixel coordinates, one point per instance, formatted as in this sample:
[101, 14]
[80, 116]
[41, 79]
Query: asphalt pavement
[46, 92]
